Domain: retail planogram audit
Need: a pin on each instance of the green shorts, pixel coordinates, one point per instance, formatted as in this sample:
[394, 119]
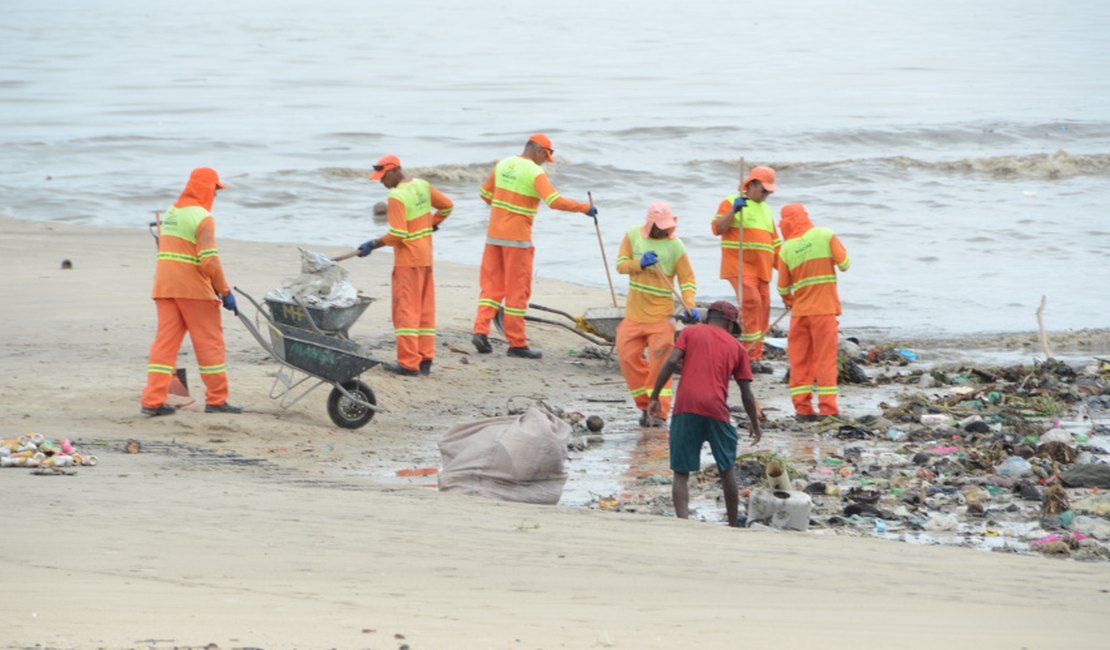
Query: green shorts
[689, 431]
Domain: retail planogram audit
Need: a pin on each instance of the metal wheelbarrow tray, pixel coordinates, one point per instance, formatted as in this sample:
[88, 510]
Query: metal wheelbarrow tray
[328, 358]
[598, 325]
[329, 319]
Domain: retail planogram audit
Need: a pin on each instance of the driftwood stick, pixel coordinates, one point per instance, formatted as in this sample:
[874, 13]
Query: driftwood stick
[1040, 324]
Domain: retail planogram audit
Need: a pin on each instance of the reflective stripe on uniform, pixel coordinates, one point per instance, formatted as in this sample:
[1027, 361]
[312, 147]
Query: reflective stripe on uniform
[815, 279]
[751, 336]
[515, 311]
[551, 199]
[179, 257]
[406, 331]
[410, 236]
[427, 331]
[648, 289]
[213, 370]
[843, 266]
[208, 252]
[508, 243]
[159, 368]
[487, 302]
[801, 390]
[826, 390]
[515, 209]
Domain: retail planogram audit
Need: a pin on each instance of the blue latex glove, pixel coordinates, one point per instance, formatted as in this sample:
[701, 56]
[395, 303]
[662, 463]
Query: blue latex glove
[739, 204]
[365, 247]
[647, 259]
[229, 303]
[690, 317]
[592, 212]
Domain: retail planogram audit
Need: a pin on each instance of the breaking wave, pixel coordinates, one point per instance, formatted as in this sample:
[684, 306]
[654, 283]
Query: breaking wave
[1038, 166]
[447, 174]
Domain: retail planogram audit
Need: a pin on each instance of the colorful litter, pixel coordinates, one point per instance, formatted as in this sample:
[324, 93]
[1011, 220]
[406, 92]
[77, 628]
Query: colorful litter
[34, 450]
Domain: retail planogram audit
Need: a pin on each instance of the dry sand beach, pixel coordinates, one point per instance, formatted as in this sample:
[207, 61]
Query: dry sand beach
[276, 529]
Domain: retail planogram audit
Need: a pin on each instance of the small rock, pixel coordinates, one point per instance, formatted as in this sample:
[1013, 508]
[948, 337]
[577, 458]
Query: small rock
[1029, 492]
[977, 427]
[595, 423]
[1055, 548]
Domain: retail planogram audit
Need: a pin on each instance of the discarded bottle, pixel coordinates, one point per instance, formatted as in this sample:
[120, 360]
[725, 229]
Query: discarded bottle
[908, 354]
[935, 419]
[880, 526]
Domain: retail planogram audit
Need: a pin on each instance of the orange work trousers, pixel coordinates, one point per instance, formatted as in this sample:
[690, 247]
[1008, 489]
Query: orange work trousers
[812, 345]
[506, 275]
[640, 373]
[755, 314]
[414, 315]
[201, 319]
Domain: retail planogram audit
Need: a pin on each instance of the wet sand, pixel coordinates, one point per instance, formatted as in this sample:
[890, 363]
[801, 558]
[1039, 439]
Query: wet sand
[276, 529]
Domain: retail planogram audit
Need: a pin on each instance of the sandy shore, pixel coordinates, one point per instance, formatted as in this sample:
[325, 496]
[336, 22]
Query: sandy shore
[276, 529]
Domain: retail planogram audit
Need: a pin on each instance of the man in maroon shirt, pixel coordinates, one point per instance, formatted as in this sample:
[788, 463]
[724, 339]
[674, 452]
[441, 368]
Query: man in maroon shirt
[708, 356]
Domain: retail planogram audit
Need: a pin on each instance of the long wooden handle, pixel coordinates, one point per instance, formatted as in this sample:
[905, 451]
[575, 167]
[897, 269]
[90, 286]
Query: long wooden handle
[749, 346]
[345, 256]
[740, 257]
[604, 260]
[670, 284]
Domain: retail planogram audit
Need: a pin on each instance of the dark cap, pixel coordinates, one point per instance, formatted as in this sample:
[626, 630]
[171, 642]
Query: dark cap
[726, 309]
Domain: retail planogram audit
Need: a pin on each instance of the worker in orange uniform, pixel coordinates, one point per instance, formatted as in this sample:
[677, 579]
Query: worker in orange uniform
[513, 191]
[189, 285]
[411, 223]
[761, 245]
[652, 255]
[807, 283]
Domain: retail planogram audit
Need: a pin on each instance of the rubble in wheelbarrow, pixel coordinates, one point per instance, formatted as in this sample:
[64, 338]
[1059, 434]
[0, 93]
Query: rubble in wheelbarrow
[322, 283]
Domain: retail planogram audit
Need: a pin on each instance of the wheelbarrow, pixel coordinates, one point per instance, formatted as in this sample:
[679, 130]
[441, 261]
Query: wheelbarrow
[598, 325]
[335, 320]
[307, 354]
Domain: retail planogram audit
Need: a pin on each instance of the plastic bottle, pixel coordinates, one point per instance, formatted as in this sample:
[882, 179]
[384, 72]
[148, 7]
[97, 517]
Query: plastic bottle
[880, 526]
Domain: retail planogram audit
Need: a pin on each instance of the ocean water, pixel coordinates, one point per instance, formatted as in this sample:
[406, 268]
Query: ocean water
[960, 150]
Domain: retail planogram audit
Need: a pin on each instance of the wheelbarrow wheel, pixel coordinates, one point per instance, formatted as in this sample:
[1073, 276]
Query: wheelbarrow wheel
[347, 413]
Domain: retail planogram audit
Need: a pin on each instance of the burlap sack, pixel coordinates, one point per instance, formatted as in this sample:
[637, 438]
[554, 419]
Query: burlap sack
[511, 458]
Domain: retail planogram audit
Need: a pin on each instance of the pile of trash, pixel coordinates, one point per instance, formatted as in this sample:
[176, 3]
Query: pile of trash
[1010, 459]
[322, 283]
[34, 450]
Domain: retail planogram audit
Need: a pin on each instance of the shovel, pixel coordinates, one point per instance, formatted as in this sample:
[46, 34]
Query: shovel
[345, 256]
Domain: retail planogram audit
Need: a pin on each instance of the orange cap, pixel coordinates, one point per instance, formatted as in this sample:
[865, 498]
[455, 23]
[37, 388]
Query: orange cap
[384, 164]
[659, 214]
[545, 142]
[765, 176]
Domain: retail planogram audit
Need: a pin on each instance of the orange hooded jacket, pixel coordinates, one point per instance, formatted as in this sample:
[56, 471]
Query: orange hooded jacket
[808, 262]
[188, 261]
